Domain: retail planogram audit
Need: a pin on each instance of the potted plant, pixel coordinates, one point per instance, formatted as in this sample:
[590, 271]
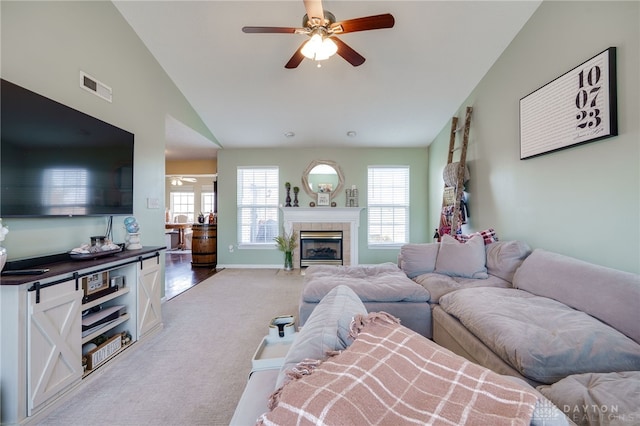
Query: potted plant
[287, 243]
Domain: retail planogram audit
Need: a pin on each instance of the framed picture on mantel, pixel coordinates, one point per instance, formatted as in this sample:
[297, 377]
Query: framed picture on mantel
[323, 198]
[578, 107]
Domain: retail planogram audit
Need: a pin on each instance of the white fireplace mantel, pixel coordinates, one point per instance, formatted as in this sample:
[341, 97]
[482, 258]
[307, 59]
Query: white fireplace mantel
[350, 215]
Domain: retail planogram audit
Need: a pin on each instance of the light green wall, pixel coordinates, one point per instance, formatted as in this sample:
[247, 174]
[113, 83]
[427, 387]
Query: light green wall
[583, 201]
[45, 45]
[292, 163]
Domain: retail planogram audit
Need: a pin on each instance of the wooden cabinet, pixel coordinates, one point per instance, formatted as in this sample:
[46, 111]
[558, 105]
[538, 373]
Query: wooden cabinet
[43, 325]
[53, 342]
[149, 295]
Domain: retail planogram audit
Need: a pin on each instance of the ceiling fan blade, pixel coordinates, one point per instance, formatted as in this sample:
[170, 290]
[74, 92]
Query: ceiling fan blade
[363, 24]
[189, 179]
[296, 59]
[314, 10]
[262, 30]
[350, 55]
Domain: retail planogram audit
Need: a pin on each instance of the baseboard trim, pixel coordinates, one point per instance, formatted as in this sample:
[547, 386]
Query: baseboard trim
[245, 266]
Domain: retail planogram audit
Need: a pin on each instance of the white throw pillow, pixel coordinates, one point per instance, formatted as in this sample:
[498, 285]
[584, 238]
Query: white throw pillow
[457, 259]
[418, 259]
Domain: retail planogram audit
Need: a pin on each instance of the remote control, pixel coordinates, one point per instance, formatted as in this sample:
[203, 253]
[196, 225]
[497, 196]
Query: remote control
[26, 272]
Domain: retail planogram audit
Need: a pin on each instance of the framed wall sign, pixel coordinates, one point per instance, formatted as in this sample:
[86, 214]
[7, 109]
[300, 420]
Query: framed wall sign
[324, 198]
[575, 108]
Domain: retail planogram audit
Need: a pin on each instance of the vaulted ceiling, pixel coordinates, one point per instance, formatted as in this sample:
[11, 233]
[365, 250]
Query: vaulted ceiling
[415, 77]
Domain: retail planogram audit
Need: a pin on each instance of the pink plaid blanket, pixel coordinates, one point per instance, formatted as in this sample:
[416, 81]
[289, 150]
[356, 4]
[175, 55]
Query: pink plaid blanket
[391, 375]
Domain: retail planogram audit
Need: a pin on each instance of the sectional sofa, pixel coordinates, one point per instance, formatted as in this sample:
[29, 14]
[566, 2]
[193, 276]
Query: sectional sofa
[347, 366]
[566, 328]
[569, 327]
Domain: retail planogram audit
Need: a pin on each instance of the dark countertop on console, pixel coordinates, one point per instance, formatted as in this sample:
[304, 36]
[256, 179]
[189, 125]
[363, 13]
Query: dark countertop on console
[63, 264]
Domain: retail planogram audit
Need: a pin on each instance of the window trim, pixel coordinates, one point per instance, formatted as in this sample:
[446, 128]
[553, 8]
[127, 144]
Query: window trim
[268, 245]
[407, 207]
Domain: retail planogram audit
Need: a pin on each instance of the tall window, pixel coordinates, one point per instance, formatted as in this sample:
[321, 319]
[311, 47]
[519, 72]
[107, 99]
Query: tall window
[207, 199]
[388, 205]
[257, 205]
[183, 203]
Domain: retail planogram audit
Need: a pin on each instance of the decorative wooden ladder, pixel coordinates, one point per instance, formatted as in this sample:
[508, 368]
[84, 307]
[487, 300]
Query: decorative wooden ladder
[451, 220]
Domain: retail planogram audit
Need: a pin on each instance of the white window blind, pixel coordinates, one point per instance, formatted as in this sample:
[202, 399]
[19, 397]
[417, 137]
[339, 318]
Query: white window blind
[257, 205]
[388, 205]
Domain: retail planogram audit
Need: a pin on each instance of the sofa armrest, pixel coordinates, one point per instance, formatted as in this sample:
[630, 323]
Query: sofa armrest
[255, 397]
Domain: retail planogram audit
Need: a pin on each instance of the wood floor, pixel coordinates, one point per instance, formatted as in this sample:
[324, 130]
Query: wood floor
[180, 275]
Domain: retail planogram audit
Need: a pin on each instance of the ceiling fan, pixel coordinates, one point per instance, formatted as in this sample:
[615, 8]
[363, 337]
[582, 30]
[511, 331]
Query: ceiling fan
[178, 180]
[321, 26]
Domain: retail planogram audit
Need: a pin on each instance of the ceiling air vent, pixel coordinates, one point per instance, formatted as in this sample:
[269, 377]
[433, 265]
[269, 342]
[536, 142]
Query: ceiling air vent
[94, 86]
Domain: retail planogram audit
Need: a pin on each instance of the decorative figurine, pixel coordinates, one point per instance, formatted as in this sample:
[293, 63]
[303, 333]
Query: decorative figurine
[295, 196]
[133, 237]
[287, 186]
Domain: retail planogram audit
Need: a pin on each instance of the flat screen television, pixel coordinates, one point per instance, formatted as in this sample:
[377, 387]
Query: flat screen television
[57, 161]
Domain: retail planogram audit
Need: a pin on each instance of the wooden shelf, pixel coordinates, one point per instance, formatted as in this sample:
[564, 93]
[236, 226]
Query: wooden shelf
[87, 372]
[107, 326]
[121, 292]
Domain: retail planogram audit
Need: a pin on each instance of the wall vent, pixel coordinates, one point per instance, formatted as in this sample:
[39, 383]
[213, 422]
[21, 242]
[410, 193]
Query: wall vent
[92, 85]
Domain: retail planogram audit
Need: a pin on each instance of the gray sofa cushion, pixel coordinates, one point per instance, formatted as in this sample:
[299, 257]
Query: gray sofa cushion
[327, 329]
[417, 259]
[607, 294]
[505, 257]
[545, 413]
[541, 338]
[598, 399]
[458, 259]
[438, 285]
[384, 282]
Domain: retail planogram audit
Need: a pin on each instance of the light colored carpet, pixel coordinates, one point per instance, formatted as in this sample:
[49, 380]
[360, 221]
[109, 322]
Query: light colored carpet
[193, 371]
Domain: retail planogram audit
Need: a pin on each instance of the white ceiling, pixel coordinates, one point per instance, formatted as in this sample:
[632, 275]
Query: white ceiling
[416, 74]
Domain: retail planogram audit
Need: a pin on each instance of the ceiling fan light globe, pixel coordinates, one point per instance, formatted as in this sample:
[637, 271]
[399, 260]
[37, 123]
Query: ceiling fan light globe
[328, 49]
[312, 46]
[319, 48]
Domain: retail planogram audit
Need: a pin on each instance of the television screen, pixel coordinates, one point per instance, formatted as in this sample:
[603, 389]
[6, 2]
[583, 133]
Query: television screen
[57, 161]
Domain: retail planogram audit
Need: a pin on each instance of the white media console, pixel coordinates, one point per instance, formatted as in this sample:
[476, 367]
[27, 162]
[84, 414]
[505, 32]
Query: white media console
[44, 330]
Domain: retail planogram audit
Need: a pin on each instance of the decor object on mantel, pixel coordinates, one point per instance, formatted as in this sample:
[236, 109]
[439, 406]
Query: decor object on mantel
[352, 197]
[322, 176]
[287, 186]
[323, 199]
[287, 243]
[296, 189]
[3, 251]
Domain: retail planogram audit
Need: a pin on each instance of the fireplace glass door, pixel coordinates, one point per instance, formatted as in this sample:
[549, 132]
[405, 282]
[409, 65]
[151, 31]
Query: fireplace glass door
[320, 248]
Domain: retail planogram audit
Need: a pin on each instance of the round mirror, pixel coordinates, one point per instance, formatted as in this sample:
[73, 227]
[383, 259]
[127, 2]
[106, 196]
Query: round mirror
[322, 176]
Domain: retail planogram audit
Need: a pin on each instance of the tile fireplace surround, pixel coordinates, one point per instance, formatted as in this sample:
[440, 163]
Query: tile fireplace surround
[345, 219]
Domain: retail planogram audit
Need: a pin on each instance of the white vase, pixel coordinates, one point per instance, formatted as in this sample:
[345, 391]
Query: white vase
[3, 257]
[133, 241]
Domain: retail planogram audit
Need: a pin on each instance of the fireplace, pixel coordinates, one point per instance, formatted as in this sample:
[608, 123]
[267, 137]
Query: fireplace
[320, 248]
[345, 219]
